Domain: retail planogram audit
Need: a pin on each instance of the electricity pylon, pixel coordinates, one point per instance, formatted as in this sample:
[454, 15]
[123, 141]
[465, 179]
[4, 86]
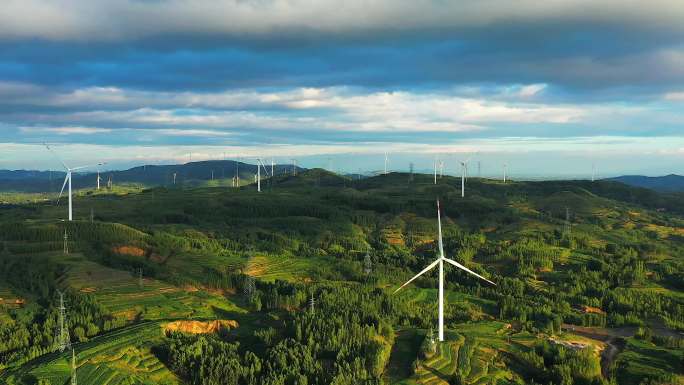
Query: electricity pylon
[66, 242]
[567, 227]
[367, 264]
[312, 303]
[62, 340]
[250, 287]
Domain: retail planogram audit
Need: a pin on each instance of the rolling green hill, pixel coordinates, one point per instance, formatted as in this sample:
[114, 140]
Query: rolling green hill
[581, 300]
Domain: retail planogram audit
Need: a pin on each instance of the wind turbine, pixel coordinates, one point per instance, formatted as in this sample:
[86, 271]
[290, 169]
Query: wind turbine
[294, 166]
[435, 167]
[440, 262]
[505, 167]
[260, 164]
[98, 180]
[593, 172]
[386, 161]
[69, 171]
[464, 173]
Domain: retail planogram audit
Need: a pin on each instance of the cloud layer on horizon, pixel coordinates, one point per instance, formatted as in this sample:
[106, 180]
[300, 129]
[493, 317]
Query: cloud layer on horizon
[328, 76]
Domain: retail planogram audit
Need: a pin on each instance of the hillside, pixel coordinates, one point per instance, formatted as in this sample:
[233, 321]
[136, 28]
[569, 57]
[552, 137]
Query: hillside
[588, 298]
[188, 174]
[667, 183]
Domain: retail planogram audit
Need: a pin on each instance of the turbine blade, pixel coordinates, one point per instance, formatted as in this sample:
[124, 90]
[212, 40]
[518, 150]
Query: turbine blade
[468, 270]
[90, 165]
[55, 154]
[430, 266]
[68, 175]
[439, 225]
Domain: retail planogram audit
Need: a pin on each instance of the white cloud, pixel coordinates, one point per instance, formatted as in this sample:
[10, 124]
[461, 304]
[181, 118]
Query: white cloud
[66, 130]
[335, 108]
[674, 96]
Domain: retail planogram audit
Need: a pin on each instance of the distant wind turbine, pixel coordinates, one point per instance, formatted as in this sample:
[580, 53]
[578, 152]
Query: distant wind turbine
[505, 167]
[294, 166]
[260, 164]
[69, 172]
[464, 174]
[440, 262]
[435, 168]
[386, 161]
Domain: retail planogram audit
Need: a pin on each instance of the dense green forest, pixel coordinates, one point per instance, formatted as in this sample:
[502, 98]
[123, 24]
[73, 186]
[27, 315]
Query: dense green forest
[294, 285]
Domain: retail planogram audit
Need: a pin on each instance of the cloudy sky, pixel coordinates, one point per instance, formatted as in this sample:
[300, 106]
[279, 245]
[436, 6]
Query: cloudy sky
[549, 87]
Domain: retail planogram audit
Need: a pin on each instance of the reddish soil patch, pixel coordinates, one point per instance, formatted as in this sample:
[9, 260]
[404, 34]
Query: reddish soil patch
[593, 310]
[129, 250]
[198, 327]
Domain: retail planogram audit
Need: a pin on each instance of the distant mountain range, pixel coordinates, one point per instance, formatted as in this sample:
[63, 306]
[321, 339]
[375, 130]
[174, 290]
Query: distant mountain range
[667, 183]
[197, 173]
[192, 173]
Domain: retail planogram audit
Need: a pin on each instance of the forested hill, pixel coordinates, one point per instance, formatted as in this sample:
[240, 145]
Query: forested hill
[665, 183]
[296, 284]
[192, 173]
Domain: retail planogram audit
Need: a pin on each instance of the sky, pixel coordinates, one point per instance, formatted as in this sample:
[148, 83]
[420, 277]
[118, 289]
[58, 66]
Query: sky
[552, 88]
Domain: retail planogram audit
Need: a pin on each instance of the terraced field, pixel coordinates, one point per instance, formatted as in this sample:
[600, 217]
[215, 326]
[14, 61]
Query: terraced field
[269, 268]
[120, 293]
[474, 351]
[440, 367]
[121, 357]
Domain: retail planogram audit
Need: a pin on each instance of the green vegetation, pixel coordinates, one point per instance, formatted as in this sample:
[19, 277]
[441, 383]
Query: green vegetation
[234, 271]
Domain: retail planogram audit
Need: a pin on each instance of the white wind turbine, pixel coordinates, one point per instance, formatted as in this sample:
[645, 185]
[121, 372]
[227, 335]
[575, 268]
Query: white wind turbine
[68, 179]
[386, 161]
[464, 173]
[440, 261]
[260, 164]
[435, 168]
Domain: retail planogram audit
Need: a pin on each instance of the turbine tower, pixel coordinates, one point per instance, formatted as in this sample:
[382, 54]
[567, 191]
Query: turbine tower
[440, 262]
[505, 166]
[98, 180]
[464, 175]
[260, 164]
[435, 167]
[294, 167]
[593, 172]
[68, 179]
[386, 161]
